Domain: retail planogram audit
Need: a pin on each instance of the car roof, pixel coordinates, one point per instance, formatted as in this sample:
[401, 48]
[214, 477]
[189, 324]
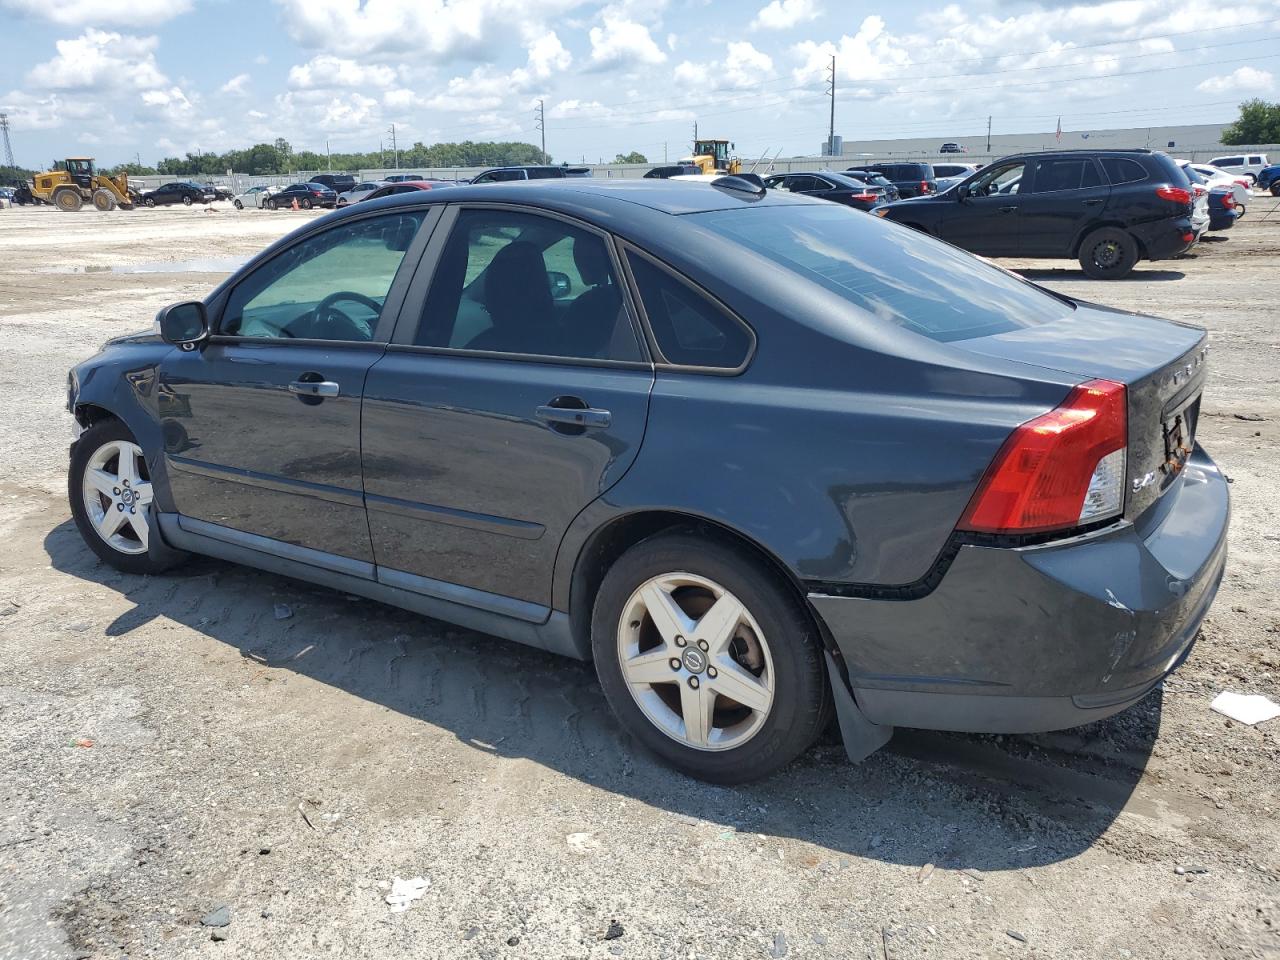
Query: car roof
[604, 197]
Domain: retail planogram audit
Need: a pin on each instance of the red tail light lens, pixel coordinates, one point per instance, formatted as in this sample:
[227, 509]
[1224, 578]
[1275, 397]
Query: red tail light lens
[1176, 194]
[863, 196]
[924, 186]
[1228, 201]
[1060, 470]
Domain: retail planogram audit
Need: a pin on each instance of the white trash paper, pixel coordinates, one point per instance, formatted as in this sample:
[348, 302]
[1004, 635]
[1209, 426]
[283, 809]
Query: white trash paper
[404, 892]
[1247, 708]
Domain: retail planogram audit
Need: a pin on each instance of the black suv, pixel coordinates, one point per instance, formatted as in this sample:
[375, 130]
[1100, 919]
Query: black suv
[911, 179]
[337, 182]
[530, 172]
[1108, 208]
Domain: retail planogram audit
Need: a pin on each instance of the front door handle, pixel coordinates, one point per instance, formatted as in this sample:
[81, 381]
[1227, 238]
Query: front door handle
[1008, 209]
[1092, 203]
[583, 416]
[314, 388]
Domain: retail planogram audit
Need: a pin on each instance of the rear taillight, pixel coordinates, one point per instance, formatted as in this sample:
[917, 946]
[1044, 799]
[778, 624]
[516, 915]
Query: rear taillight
[1242, 182]
[1199, 190]
[1176, 194]
[924, 186]
[1060, 470]
[868, 197]
[1228, 201]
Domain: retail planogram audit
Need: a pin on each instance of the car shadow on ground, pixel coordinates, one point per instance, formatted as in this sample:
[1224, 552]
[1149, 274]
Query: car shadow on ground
[1067, 275]
[955, 801]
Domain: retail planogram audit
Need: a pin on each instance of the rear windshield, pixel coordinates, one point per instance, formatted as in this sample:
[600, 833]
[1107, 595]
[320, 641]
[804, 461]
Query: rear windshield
[895, 273]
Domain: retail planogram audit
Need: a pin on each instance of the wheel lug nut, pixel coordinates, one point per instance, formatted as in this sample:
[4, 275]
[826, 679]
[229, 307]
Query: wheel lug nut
[675, 663]
[120, 507]
[133, 509]
[681, 641]
[116, 491]
[693, 682]
[711, 672]
[703, 645]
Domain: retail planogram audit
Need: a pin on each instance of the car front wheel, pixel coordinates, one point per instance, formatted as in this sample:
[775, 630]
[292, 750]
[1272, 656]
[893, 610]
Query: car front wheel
[239, 205]
[707, 660]
[109, 488]
[1108, 253]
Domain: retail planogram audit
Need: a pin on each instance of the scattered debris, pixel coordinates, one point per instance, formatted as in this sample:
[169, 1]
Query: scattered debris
[513, 941]
[471, 934]
[819, 938]
[18, 842]
[83, 742]
[726, 835]
[1245, 708]
[263, 851]
[1249, 417]
[1016, 935]
[220, 934]
[581, 843]
[9, 608]
[779, 948]
[970, 872]
[217, 917]
[404, 892]
[925, 873]
[283, 611]
[305, 818]
[614, 932]
[1195, 869]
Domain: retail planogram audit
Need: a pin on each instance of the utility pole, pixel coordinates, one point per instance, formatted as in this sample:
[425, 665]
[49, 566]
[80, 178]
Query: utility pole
[695, 136]
[395, 151]
[328, 158]
[664, 151]
[8, 147]
[988, 133]
[831, 130]
[541, 123]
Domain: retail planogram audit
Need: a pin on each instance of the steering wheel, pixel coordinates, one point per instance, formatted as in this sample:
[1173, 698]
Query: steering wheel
[332, 324]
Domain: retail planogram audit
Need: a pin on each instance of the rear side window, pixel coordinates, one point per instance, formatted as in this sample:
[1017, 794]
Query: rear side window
[691, 330]
[1123, 170]
[536, 174]
[892, 273]
[1229, 162]
[1065, 174]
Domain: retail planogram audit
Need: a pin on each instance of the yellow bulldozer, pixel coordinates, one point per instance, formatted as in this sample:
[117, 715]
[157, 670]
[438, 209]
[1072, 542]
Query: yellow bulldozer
[79, 183]
[712, 156]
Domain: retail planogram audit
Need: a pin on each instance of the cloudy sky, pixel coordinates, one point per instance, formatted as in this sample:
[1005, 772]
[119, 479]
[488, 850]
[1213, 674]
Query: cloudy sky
[160, 77]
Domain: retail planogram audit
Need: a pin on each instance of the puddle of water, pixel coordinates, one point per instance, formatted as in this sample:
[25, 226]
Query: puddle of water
[198, 265]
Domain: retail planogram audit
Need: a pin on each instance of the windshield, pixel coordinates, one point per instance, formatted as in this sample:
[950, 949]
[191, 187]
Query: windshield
[895, 273]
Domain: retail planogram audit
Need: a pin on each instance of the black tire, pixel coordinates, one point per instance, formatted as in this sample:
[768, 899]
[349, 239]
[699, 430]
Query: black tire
[802, 705]
[104, 200]
[68, 200]
[271, 203]
[102, 432]
[149, 202]
[1275, 187]
[239, 205]
[305, 203]
[1108, 253]
[186, 201]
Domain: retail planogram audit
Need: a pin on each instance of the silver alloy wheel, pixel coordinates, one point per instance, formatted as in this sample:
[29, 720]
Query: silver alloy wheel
[117, 495]
[696, 661]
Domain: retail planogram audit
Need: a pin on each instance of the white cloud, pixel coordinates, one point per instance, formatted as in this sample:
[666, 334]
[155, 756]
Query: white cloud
[236, 85]
[81, 13]
[743, 66]
[399, 98]
[100, 61]
[785, 14]
[326, 72]
[547, 55]
[622, 42]
[262, 59]
[1240, 80]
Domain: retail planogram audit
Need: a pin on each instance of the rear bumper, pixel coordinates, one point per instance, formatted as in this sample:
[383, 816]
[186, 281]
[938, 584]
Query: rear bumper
[1223, 221]
[1019, 640]
[1163, 239]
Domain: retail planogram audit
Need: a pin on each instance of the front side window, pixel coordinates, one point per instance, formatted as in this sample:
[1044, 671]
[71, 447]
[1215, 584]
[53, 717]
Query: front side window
[330, 286]
[690, 329]
[998, 181]
[895, 274]
[513, 282]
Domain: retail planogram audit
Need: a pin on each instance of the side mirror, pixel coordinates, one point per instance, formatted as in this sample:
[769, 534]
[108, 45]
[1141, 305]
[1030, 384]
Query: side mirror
[185, 325]
[561, 285]
[962, 192]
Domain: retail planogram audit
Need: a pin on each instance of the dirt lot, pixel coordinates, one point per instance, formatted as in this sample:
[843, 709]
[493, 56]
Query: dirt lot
[169, 745]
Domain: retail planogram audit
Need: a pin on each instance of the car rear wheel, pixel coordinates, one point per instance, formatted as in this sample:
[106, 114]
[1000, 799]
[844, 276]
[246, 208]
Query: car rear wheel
[708, 660]
[239, 205]
[1108, 253]
[68, 200]
[305, 203]
[186, 201]
[149, 202]
[271, 204]
[109, 488]
[1275, 188]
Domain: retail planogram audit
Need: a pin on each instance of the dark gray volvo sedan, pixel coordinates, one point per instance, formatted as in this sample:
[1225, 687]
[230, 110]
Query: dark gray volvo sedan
[764, 459]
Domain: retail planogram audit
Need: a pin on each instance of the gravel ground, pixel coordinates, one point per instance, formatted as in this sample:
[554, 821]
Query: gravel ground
[175, 744]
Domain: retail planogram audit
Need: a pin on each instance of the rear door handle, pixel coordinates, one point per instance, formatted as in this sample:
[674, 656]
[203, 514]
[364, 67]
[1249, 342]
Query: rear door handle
[575, 416]
[1008, 209]
[314, 388]
[1092, 203]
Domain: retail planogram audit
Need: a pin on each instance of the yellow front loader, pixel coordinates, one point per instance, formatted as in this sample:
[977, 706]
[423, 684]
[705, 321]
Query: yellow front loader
[712, 156]
[80, 183]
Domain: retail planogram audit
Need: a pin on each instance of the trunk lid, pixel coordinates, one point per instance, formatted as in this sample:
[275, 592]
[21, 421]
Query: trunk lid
[1160, 362]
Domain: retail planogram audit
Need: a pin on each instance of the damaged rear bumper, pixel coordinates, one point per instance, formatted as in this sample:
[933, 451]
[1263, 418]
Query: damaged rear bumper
[1027, 639]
